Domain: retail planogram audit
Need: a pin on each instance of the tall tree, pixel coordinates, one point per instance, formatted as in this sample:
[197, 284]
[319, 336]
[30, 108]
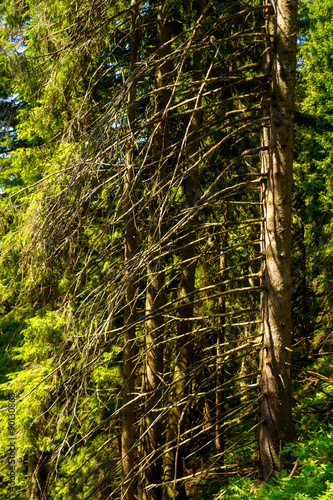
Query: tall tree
[277, 427]
[312, 297]
[179, 413]
[155, 294]
[131, 248]
[142, 124]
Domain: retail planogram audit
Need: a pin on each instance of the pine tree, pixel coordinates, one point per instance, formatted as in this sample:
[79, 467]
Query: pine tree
[138, 233]
[277, 427]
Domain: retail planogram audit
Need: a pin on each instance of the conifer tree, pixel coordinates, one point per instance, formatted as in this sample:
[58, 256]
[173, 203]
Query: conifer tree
[141, 124]
[277, 427]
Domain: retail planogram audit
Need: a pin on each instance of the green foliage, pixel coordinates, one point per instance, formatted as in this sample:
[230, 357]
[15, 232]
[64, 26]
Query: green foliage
[313, 480]
[313, 194]
[63, 278]
[313, 395]
[11, 325]
[317, 61]
[42, 334]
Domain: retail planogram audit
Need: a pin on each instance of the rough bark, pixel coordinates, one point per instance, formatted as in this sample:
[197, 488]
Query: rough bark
[38, 475]
[131, 242]
[276, 402]
[155, 298]
[219, 398]
[179, 414]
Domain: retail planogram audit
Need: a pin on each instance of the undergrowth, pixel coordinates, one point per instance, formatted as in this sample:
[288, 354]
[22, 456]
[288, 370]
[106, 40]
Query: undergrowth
[313, 481]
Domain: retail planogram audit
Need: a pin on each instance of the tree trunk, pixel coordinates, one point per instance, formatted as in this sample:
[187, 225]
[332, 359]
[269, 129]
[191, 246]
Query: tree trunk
[155, 298]
[219, 398]
[276, 402]
[128, 418]
[38, 475]
[179, 413]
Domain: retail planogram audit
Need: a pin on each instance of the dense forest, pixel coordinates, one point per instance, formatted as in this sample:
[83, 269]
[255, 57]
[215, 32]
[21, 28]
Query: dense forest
[166, 199]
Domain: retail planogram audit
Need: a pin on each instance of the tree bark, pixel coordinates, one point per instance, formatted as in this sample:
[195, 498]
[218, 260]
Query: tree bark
[155, 297]
[38, 484]
[179, 413]
[276, 402]
[219, 398]
[131, 244]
